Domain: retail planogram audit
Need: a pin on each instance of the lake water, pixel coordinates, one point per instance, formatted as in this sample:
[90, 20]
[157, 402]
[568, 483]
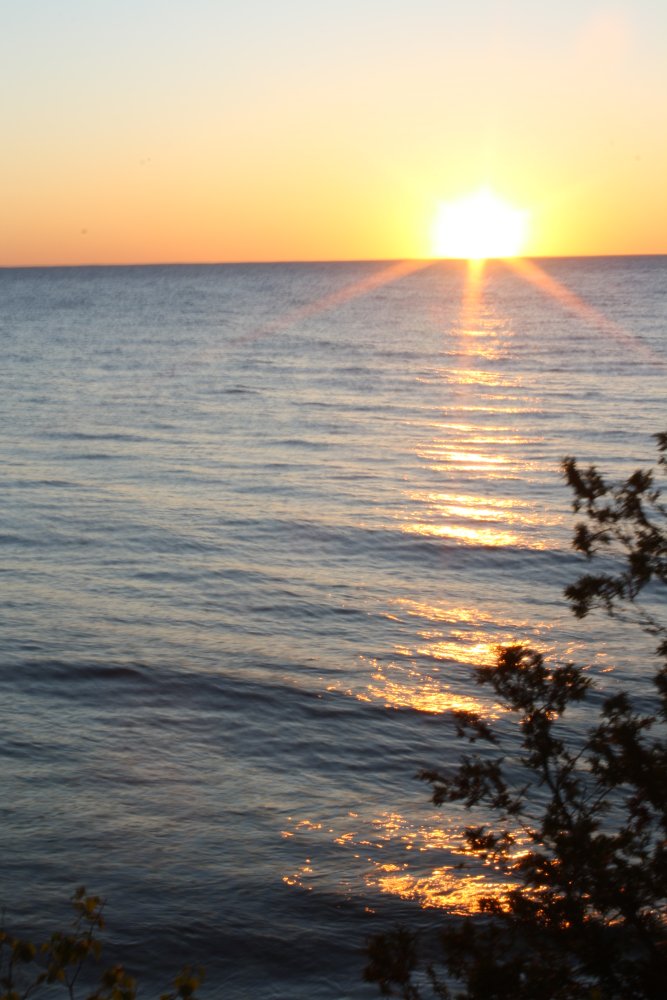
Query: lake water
[258, 523]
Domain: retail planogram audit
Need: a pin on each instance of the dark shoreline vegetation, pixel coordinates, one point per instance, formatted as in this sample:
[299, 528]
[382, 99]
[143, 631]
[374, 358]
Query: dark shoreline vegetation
[583, 837]
[65, 960]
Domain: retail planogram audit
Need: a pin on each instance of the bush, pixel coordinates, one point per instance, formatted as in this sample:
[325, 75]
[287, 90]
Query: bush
[64, 960]
[583, 831]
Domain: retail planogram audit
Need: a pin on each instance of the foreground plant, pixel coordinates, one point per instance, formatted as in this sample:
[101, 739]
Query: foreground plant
[64, 959]
[579, 824]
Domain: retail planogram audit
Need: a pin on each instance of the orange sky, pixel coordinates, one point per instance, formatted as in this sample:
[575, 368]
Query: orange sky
[160, 130]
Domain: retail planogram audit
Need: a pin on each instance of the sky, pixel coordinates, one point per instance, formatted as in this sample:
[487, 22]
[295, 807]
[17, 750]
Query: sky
[140, 131]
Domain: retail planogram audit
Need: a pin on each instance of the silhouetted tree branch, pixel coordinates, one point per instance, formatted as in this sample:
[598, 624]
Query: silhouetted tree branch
[64, 959]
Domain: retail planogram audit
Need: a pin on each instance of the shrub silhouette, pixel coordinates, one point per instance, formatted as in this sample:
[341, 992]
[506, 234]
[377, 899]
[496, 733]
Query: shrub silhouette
[579, 824]
[64, 959]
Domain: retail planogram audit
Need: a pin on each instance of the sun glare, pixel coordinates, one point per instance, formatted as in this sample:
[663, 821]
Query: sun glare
[479, 226]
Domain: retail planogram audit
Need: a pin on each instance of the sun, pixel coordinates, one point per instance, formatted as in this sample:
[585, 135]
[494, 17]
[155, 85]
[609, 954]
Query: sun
[479, 226]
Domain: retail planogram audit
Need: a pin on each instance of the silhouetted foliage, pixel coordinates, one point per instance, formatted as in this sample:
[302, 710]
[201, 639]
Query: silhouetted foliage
[64, 959]
[626, 522]
[579, 824]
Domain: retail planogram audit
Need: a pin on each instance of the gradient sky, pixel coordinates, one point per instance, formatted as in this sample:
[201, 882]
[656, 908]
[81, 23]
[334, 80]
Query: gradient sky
[204, 130]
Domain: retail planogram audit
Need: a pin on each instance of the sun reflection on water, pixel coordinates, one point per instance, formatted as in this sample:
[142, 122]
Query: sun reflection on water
[461, 533]
[491, 515]
[390, 855]
[443, 887]
[434, 649]
[446, 885]
[473, 463]
[488, 454]
[411, 688]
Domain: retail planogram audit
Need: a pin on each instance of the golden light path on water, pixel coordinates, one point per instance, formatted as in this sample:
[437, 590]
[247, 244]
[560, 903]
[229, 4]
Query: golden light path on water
[502, 511]
[389, 848]
[411, 688]
[395, 855]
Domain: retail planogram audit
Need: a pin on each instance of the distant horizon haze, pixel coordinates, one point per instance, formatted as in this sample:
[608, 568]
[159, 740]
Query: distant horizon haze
[426, 261]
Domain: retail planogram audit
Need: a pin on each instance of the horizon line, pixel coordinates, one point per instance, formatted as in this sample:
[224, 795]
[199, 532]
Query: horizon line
[342, 260]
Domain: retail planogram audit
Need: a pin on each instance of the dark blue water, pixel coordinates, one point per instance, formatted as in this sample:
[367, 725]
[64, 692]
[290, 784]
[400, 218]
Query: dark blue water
[258, 522]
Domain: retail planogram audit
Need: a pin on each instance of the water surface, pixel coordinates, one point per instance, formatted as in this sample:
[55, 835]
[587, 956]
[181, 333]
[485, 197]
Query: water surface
[258, 524]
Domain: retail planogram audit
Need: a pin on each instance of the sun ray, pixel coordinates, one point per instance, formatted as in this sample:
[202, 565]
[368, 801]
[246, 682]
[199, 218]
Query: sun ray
[546, 283]
[384, 276]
